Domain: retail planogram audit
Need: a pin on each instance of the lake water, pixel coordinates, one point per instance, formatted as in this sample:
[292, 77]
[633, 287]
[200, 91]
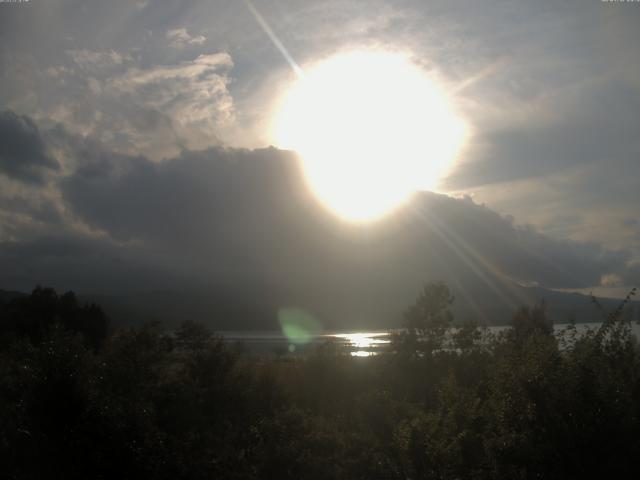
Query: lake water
[358, 344]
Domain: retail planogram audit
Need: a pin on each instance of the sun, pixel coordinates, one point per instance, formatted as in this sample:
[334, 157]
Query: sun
[371, 129]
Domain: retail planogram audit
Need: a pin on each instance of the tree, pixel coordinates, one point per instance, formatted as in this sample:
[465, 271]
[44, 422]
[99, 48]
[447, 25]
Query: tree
[193, 336]
[35, 316]
[467, 337]
[429, 318]
[528, 321]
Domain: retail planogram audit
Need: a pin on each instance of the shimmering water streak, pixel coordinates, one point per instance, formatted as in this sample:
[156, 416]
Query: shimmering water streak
[358, 344]
[364, 342]
[363, 339]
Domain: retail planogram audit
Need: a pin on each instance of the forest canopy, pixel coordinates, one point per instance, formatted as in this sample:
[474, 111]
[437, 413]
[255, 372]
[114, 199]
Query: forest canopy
[78, 400]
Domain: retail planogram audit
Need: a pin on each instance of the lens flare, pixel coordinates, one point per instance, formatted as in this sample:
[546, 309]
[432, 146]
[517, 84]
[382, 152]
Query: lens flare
[298, 325]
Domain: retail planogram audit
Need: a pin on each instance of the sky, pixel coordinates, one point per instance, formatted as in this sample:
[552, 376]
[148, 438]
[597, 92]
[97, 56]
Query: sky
[136, 148]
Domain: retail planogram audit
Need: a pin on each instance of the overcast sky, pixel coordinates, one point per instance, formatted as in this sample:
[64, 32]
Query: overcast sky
[134, 146]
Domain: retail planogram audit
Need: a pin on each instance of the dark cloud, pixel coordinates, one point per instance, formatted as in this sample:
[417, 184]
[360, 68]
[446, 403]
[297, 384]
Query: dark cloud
[204, 197]
[521, 252]
[596, 125]
[255, 202]
[234, 220]
[23, 154]
[246, 217]
[73, 260]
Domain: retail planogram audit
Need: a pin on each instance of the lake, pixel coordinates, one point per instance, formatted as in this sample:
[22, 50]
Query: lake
[357, 343]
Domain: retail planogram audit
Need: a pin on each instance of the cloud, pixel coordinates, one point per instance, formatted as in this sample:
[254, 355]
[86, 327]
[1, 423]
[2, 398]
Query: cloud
[193, 95]
[23, 154]
[225, 218]
[611, 280]
[591, 124]
[585, 203]
[180, 38]
[89, 264]
[155, 110]
[565, 166]
[91, 60]
[200, 199]
[253, 205]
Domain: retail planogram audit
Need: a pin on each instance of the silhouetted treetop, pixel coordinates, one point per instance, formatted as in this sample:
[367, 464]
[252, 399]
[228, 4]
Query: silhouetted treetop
[35, 315]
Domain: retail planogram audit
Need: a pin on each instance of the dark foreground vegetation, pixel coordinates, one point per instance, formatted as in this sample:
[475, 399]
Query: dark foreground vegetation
[78, 401]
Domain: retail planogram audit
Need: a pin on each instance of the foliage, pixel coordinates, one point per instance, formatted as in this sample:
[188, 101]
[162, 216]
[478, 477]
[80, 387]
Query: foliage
[36, 315]
[147, 403]
[428, 319]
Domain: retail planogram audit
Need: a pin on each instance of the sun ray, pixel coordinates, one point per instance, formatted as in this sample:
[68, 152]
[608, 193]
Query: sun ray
[274, 38]
[468, 256]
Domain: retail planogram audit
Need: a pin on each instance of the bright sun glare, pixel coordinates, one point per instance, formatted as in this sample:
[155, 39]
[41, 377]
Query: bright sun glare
[371, 129]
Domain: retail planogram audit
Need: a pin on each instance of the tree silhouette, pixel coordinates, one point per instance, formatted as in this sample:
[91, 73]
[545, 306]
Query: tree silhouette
[429, 318]
[35, 316]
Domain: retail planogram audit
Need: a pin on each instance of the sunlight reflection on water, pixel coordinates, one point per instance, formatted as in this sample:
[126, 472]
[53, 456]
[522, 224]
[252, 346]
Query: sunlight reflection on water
[364, 339]
[364, 342]
[363, 353]
[356, 344]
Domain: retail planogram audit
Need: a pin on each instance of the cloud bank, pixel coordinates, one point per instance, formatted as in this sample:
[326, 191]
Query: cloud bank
[23, 154]
[243, 218]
